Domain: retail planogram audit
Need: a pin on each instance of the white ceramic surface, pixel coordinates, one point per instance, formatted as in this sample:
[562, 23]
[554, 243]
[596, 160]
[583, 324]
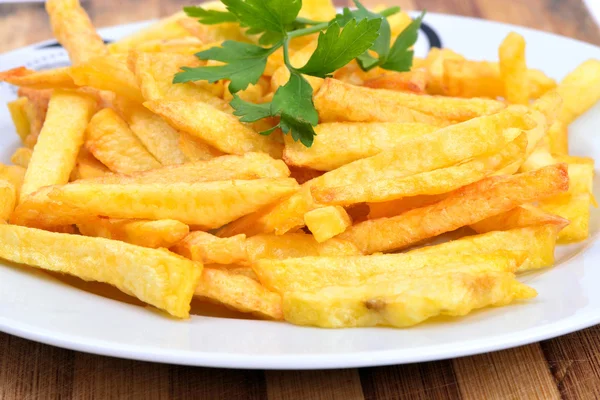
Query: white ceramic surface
[38, 307]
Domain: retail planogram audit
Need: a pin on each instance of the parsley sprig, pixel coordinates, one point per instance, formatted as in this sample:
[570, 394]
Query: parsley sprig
[354, 34]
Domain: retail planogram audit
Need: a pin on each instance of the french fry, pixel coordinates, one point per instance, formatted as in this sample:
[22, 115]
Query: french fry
[402, 303]
[303, 175]
[300, 58]
[14, 174]
[74, 30]
[184, 45]
[466, 206]
[211, 249]
[157, 277]
[239, 292]
[213, 33]
[153, 234]
[198, 204]
[21, 156]
[195, 149]
[434, 182]
[579, 90]
[435, 65]
[339, 143]
[335, 95]
[221, 130]
[57, 78]
[111, 141]
[392, 208]
[558, 138]
[536, 241]
[312, 273]
[35, 109]
[319, 10]
[513, 69]
[413, 81]
[87, 166]
[525, 215]
[576, 209]
[327, 222]
[18, 113]
[59, 142]
[8, 199]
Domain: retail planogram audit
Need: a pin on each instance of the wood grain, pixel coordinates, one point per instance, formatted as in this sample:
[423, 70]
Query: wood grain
[567, 367]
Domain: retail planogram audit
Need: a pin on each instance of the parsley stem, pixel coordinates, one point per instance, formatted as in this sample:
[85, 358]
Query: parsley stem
[317, 28]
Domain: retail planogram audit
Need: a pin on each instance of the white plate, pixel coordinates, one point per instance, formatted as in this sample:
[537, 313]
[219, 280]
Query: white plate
[38, 307]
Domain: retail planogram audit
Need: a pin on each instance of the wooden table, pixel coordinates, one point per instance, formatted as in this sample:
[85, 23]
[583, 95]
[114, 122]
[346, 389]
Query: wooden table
[568, 367]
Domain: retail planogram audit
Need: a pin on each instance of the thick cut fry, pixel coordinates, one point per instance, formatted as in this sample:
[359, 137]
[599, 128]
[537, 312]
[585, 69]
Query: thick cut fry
[74, 30]
[111, 141]
[59, 142]
[413, 81]
[18, 114]
[466, 206]
[319, 10]
[402, 303]
[208, 205]
[434, 182]
[21, 156]
[14, 174]
[87, 166]
[523, 216]
[239, 292]
[154, 234]
[312, 273]
[8, 199]
[57, 78]
[108, 73]
[513, 69]
[340, 143]
[558, 138]
[327, 222]
[435, 65]
[579, 90]
[195, 149]
[221, 130]
[336, 99]
[392, 208]
[185, 45]
[159, 138]
[157, 277]
[575, 208]
[246, 167]
[213, 33]
[211, 249]
[303, 175]
[537, 242]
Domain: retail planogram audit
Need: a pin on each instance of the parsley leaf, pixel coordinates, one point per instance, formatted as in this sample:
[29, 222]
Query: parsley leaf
[401, 54]
[245, 64]
[265, 15]
[250, 112]
[209, 17]
[336, 49]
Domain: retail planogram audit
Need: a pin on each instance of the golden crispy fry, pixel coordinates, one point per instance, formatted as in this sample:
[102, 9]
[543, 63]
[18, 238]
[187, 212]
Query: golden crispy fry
[8, 199]
[154, 234]
[579, 90]
[468, 205]
[18, 113]
[87, 166]
[435, 65]
[235, 270]
[558, 138]
[13, 174]
[239, 292]
[156, 135]
[398, 22]
[403, 303]
[327, 222]
[434, 182]
[303, 175]
[111, 141]
[392, 208]
[213, 33]
[576, 209]
[185, 45]
[339, 143]
[195, 149]
[300, 58]
[208, 205]
[157, 277]
[59, 142]
[21, 156]
[536, 241]
[211, 249]
[523, 216]
[74, 30]
[513, 69]
[57, 78]
[223, 131]
[414, 81]
[318, 10]
[35, 109]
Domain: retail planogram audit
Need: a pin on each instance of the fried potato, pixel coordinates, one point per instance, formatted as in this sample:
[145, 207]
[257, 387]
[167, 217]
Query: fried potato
[536, 241]
[184, 45]
[435, 65]
[339, 143]
[57, 78]
[208, 205]
[18, 114]
[213, 33]
[466, 206]
[334, 94]
[434, 182]
[195, 149]
[221, 130]
[312, 273]
[59, 142]
[318, 10]
[154, 234]
[111, 141]
[392, 208]
[35, 110]
[303, 175]
[87, 166]
[14, 174]
[558, 138]
[576, 209]
[21, 156]
[74, 30]
[580, 90]
[523, 216]
[513, 69]
[298, 59]
[239, 292]
[327, 222]
[402, 303]
[157, 277]
[158, 137]
[211, 249]
[414, 81]
[398, 22]
[8, 199]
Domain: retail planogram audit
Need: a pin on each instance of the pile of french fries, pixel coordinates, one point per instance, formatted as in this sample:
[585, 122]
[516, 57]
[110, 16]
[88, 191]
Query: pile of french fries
[158, 189]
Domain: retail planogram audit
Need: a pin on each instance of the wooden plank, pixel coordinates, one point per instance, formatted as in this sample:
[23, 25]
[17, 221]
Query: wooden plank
[425, 381]
[30, 370]
[314, 385]
[520, 373]
[575, 363]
